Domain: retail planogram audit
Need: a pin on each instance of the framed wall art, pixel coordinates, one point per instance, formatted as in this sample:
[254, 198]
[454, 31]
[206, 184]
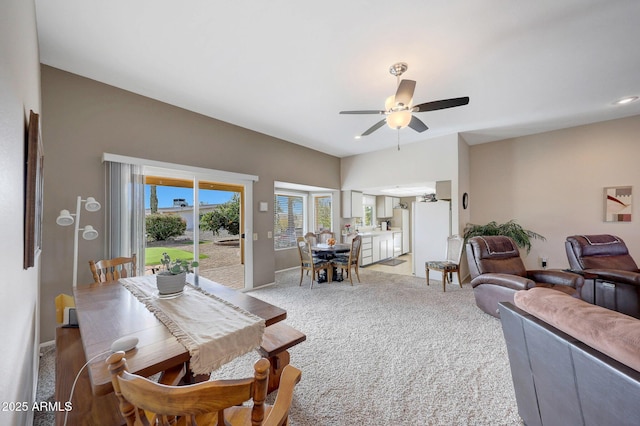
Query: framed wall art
[33, 186]
[618, 203]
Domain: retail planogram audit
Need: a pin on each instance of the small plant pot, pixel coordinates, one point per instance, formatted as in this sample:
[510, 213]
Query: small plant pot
[170, 284]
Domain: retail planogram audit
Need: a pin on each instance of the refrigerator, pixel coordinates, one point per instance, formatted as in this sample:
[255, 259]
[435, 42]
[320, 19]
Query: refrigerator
[431, 226]
[400, 220]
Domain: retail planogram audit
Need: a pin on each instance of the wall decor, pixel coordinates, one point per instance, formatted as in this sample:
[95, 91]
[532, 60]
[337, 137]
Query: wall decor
[617, 203]
[33, 186]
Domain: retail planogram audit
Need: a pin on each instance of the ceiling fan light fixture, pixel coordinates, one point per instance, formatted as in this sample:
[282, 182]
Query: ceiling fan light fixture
[390, 103]
[399, 119]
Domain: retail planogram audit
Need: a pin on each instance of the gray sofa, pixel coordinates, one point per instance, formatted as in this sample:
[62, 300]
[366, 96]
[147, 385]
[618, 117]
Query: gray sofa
[572, 363]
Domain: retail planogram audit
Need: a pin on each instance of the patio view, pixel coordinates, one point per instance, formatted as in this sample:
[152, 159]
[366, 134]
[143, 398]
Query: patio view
[170, 228]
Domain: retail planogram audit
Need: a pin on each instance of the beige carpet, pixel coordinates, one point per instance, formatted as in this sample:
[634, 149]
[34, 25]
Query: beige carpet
[388, 351]
[391, 351]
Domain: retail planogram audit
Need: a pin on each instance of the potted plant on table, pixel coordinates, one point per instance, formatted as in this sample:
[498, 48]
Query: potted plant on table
[173, 276]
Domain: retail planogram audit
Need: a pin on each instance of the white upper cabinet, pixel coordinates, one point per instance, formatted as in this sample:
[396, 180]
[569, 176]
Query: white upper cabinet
[384, 206]
[352, 204]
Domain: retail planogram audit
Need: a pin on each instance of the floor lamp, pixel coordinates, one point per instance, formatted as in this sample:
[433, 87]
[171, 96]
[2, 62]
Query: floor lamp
[88, 232]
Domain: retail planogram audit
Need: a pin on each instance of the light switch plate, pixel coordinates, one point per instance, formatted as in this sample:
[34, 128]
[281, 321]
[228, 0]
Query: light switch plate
[264, 206]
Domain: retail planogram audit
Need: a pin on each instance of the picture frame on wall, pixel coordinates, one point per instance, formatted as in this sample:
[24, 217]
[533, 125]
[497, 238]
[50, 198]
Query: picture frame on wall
[33, 187]
[618, 203]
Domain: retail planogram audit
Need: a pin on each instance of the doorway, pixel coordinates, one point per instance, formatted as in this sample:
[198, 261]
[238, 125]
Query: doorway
[207, 224]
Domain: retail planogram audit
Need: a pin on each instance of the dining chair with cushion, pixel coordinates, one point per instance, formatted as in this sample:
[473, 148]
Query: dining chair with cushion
[325, 235]
[352, 261]
[497, 273]
[451, 264]
[113, 269]
[212, 402]
[310, 263]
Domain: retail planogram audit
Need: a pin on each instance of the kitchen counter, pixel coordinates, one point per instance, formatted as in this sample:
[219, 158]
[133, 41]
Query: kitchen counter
[378, 232]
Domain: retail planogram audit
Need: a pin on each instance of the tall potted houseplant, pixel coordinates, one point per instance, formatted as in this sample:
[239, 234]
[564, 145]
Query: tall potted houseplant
[521, 236]
[173, 276]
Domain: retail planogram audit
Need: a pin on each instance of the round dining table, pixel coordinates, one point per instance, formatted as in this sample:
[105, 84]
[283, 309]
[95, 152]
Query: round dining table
[327, 252]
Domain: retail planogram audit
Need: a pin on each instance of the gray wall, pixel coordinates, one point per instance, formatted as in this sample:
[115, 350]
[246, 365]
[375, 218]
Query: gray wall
[19, 93]
[84, 118]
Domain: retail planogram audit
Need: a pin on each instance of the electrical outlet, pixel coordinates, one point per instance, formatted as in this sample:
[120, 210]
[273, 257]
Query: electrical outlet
[270, 234]
[255, 236]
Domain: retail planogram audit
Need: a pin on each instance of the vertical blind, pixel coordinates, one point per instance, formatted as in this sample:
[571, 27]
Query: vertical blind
[288, 220]
[125, 211]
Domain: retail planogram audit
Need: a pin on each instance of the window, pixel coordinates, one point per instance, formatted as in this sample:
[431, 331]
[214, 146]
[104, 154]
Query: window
[369, 204]
[322, 212]
[288, 221]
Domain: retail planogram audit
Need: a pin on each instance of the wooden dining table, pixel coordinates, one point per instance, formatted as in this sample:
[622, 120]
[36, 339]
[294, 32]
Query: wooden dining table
[108, 311]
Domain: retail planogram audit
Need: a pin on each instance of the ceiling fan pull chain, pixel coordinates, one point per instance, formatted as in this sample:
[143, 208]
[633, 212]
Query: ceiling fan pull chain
[398, 139]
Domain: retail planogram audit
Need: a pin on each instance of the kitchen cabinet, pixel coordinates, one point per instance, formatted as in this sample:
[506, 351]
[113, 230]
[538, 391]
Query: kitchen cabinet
[384, 206]
[352, 204]
[366, 251]
[376, 247]
[397, 244]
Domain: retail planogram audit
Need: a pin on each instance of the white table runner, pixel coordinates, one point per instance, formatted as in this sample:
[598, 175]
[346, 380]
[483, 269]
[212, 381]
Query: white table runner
[213, 330]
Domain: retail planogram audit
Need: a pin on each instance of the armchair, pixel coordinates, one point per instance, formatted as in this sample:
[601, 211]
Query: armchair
[617, 277]
[497, 273]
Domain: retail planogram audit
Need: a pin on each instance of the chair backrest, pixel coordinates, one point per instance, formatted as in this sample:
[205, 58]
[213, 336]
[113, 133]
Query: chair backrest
[599, 251]
[113, 269]
[138, 395]
[354, 254]
[312, 238]
[324, 235]
[494, 254]
[304, 250]
[455, 244]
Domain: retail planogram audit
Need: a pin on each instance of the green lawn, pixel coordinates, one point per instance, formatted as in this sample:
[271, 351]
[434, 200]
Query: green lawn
[153, 255]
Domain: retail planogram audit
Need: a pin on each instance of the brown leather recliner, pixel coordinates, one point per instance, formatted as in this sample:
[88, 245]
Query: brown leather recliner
[617, 286]
[497, 272]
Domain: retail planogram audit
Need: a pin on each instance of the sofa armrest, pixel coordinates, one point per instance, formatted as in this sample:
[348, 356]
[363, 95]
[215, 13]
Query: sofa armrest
[617, 275]
[515, 282]
[557, 278]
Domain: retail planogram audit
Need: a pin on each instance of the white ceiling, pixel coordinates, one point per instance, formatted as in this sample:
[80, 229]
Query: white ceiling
[287, 67]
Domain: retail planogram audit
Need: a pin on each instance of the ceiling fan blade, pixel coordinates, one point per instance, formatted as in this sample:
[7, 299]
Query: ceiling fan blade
[366, 111]
[405, 92]
[417, 124]
[442, 104]
[374, 127]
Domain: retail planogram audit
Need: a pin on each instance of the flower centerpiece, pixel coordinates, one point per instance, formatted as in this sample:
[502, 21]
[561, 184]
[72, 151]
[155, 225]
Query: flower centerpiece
[173, 276]
[347, 228]
[331, 242]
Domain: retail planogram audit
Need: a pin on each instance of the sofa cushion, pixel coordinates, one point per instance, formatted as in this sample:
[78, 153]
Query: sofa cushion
[612, 333]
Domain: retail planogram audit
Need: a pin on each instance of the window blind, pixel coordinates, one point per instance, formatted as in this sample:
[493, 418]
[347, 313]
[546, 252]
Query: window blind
[288, 220]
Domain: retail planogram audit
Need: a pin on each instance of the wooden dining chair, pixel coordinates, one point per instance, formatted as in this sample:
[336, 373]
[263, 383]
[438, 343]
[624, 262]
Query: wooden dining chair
[143, 402]
[113, 269]
[324, 235]
[352, 261]
[311, 237]
[310, 263]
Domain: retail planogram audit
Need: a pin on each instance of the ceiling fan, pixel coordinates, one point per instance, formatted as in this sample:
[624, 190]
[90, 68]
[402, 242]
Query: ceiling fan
[399, 110]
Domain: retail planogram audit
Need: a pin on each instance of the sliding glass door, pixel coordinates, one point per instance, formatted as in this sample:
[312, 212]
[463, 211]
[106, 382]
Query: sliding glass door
[206, 224]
